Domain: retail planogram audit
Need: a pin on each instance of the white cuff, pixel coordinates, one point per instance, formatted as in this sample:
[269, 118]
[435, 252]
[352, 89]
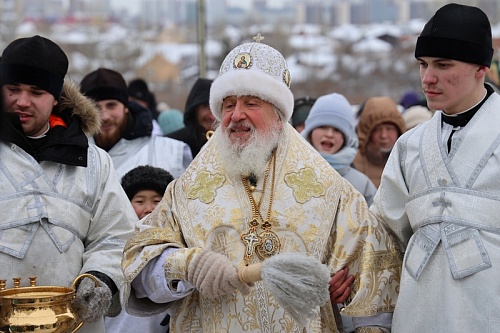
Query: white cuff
[151, 282]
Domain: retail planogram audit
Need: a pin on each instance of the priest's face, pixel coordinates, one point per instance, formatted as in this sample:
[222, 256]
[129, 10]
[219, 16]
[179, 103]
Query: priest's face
[246, 116]
[450, 85]
[251, 129]
[113, 122]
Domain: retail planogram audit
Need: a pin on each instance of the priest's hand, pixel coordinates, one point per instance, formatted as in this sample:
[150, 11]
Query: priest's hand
[214, 275]
[93, 299]
[340, 286]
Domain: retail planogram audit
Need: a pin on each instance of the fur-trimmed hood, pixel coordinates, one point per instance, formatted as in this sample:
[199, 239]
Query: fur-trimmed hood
[81, 106]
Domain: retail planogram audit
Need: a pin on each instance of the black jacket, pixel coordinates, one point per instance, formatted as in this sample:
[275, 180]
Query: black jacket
[193, 134]
[139, 122]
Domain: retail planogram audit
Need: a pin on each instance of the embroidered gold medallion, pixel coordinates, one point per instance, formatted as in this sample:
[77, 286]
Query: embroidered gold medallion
[269, 244]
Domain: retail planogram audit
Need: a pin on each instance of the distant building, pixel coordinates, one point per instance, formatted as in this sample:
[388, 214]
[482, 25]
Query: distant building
[158, 69]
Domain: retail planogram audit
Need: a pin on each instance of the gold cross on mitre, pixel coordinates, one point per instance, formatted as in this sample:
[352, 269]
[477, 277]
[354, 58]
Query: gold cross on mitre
[259, 38]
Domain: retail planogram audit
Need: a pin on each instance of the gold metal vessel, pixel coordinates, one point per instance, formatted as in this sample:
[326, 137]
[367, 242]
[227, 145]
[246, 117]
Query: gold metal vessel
[46, 309]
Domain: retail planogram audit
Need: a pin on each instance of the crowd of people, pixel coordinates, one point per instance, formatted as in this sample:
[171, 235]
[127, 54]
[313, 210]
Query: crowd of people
[166, 209]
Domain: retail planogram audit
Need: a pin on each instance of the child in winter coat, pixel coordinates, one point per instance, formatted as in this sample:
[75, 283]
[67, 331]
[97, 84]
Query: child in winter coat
[330, 129]
[144, 186]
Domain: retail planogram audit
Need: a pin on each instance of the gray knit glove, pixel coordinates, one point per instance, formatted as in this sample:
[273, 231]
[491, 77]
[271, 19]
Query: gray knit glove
[214, 275]
[91, 302]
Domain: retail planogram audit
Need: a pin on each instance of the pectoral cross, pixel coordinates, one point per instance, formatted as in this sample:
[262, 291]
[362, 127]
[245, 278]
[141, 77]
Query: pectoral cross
[251, 240]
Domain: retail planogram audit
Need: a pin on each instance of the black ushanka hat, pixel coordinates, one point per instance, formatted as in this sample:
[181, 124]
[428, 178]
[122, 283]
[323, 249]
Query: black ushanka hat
[457, 32]
[145, 177]
[36, 61]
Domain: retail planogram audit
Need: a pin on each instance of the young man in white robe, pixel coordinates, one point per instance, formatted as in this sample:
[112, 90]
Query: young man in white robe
[440, 190]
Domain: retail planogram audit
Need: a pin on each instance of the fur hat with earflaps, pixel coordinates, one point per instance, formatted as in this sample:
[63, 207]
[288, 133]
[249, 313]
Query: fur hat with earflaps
[253, 69]
[146, 177]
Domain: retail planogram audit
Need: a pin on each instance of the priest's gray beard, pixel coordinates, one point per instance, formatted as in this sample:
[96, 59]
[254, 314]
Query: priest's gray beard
[243, 159]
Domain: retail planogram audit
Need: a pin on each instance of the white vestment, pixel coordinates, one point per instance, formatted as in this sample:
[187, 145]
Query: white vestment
[161, 152]
[444, 207]
[315, 211]
[58, 221]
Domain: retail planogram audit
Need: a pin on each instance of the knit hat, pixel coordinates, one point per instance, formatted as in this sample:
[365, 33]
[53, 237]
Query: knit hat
[409, 99]
[415, 115]
[104, 84]
[36, 61]
[138, 89]
[301, 108]
[253, 69]
[146, 177]
[331, 110]
[170, 121]
[457, 32]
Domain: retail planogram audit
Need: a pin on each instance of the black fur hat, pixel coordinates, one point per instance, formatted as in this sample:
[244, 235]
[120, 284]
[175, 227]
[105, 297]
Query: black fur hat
[36, 61]
[146, 177]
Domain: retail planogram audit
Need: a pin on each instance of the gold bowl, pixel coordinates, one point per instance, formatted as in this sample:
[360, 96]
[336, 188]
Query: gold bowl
[40, 309]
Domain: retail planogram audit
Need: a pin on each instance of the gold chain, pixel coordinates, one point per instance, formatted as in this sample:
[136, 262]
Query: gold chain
[256, 207]
[251, 239]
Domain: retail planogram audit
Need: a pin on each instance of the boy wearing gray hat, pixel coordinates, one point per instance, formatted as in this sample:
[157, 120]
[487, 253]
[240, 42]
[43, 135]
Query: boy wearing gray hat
[440, 190]
[63, 211]
[330, 129]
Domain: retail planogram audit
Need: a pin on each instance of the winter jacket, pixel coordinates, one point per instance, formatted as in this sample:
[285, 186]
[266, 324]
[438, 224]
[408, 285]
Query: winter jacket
[64, 211]
[193, 133]
[377, 110]
[138, 147]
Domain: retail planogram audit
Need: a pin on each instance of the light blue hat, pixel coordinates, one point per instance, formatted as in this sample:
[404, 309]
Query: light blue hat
[332, 110]
[170, 121]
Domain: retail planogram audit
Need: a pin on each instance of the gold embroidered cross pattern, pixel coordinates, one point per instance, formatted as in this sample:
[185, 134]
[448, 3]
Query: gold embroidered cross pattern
[205, 186]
